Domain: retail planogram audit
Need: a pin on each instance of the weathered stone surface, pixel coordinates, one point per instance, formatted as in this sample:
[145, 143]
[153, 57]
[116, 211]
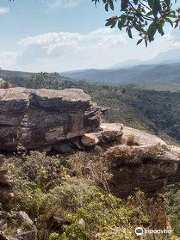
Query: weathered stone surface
[22, 228]
[149, 165]
[109, 132]
[90, 139]
[37, 118]
[142, 137]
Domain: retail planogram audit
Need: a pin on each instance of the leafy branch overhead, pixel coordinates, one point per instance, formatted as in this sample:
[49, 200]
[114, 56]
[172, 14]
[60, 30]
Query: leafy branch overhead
[147, 17]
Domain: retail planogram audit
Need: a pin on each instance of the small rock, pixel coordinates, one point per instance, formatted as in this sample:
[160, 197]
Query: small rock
[89, 139]
[110, 132]
[81, 222]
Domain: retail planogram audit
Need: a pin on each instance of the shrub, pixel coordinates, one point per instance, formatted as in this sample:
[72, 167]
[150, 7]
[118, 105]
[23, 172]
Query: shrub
[131, 141]
[173, 208]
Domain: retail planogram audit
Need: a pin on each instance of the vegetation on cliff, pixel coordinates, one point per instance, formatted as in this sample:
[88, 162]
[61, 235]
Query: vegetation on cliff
[67, 197]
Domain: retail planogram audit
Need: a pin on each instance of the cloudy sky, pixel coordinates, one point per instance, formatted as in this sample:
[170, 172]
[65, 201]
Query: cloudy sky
[62, 35]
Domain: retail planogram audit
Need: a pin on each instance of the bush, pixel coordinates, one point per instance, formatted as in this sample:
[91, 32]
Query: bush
[131, 141]
[173, 207]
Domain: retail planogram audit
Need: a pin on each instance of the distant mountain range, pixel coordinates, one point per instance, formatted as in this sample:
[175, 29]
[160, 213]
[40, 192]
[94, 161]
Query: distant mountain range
[167, 73]
[164, 67]
[171, 56]
[142, 73]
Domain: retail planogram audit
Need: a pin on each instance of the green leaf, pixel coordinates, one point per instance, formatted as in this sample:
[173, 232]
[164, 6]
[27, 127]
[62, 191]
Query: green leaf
[109, 22]
[168, 2]
[160, 30]
[129, 33]
[106, 7]
[111, 4]
[139, 41]
[114, 23]
[146, 43]
[123, 20]
[149, 13]
[170, 21]
[177, 23]
[156, 8]
[151, 31]
[119, 25]
[124, 5]
[135, 2]
[151, 3]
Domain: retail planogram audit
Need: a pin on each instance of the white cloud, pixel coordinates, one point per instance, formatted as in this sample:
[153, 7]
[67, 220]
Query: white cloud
[4, 10]
[66, 50]
[8, 60]
[63, 51]
[63, 3]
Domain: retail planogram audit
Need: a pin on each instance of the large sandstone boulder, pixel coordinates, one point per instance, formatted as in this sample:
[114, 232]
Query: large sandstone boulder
[149, 169]
[141, 161]
[42, 118]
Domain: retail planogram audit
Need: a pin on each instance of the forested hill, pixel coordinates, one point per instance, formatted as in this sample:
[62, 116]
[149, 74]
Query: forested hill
[22, 78]
[141, 73]
[156, 111]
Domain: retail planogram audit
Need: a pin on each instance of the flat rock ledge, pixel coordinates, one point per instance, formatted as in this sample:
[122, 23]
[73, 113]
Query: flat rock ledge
[138, 159]
[41, 118]
[142, 161]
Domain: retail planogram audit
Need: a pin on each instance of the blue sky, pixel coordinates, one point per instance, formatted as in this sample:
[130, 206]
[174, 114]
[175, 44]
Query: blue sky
[62, 35]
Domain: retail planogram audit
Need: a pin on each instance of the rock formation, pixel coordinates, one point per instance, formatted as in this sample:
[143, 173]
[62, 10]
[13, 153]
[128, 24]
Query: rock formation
[39, 119]
[60, 120]
[138, 160]
[141, 161]
[51, 119]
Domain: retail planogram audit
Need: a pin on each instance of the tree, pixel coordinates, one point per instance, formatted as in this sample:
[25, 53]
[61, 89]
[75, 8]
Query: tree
[39, 80]
[146, 17]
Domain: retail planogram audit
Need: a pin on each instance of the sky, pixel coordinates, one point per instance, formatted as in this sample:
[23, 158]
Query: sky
[64, 35]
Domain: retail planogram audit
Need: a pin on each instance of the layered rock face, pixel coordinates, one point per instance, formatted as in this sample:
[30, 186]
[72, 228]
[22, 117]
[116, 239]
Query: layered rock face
[41, 118]
[51, 119]
[137, 159]
[142, 161]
